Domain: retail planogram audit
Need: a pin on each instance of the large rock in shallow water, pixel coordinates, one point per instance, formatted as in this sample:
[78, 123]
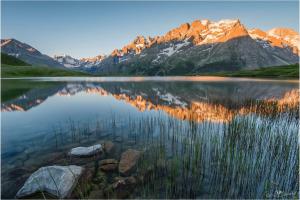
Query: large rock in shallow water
[55, 180]
[128, 161]
[86, 151]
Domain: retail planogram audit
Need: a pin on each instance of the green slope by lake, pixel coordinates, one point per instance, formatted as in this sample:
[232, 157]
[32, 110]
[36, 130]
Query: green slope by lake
[286, 71]
[14, 67]
[9, 71]
[11, 60]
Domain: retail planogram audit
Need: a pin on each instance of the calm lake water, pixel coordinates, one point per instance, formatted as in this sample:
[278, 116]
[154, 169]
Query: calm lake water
[217, 137]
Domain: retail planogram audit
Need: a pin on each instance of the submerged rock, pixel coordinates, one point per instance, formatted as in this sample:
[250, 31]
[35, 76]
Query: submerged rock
[128, 161]
[55, 180]
[123, 186]
[108, 146]
[118, 139]
[108, 165]
[86, 151]
[96, 194]
[100, 179]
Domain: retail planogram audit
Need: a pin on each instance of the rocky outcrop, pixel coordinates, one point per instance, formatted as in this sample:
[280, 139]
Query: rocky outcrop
[129, 161]
[136, 46]
[291, 37]
[55, 180]
[98, 58]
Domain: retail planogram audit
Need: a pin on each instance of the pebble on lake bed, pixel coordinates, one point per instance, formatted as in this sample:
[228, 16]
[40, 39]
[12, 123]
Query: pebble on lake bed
[55, 180]
[86, 151]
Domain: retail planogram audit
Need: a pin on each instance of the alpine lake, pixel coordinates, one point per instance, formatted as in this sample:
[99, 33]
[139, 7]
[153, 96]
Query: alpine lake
[197, 137]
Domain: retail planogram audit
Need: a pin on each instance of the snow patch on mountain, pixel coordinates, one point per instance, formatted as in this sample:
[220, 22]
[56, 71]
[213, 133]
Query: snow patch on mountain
[286, 34]
[169, 51]
[67, 61]
[71, 62]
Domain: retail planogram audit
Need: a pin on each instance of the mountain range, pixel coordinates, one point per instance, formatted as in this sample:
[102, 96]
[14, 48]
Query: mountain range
[192, 48]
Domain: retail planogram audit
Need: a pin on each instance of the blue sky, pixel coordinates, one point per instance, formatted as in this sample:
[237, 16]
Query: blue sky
[85, 29]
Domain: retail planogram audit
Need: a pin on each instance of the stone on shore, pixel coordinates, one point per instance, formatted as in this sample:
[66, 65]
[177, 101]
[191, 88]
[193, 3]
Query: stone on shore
[55, 180]
[129, 161]
[86, 151]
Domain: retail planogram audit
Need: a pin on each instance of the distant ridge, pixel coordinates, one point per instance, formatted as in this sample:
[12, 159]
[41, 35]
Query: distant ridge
[27, 53]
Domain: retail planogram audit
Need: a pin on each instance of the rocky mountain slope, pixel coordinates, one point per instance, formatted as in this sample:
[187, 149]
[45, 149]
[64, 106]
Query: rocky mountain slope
[67, 61]
[205, 46]
[27, 53]
[193, 48]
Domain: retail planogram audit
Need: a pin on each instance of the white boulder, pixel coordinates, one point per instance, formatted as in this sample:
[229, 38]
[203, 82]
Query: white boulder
[56, 180]
[86, 151]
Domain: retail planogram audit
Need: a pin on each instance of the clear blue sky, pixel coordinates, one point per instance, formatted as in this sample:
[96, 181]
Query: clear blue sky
[84, 29]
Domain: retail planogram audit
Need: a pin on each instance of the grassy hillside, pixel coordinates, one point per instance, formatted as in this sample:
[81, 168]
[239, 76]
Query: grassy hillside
[11, 60]
[286, 71]
[14, 67]
[34, 71]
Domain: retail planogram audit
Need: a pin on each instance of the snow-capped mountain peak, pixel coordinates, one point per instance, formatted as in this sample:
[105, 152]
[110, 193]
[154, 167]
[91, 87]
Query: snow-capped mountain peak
[71, 62]
[277, 37]
[286, 34]
[67, 60]
[92, 61]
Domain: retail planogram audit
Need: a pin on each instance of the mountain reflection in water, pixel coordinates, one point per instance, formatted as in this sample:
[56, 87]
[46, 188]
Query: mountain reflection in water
[222, 138]
[213, 101]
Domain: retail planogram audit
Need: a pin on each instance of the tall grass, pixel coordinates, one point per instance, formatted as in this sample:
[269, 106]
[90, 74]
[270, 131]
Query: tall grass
[252, 156]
